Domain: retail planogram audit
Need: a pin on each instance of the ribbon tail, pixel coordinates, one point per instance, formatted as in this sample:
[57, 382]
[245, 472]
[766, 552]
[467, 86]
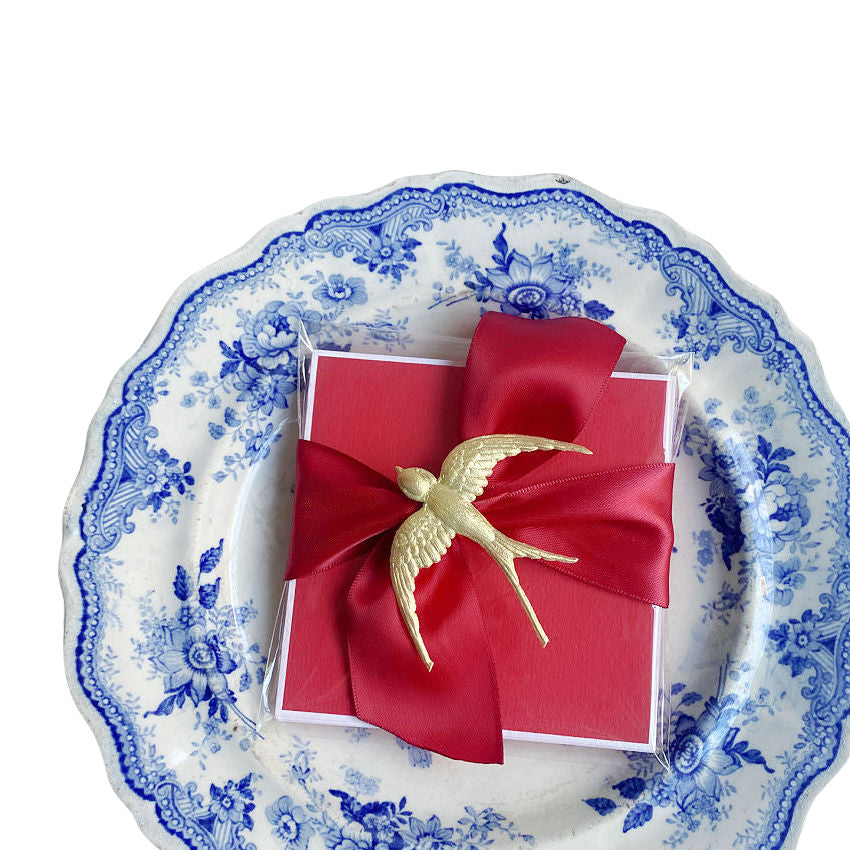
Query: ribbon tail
[392, 688]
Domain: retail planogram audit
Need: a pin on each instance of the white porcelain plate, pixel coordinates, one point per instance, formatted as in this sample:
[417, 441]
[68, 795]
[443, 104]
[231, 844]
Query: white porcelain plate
[176, 533]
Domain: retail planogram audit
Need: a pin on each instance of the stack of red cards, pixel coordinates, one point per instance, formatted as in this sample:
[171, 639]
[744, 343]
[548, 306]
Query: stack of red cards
[596, 683]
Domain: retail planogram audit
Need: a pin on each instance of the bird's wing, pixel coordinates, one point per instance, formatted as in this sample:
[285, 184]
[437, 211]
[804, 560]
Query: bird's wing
[420, 541]
[468, 466]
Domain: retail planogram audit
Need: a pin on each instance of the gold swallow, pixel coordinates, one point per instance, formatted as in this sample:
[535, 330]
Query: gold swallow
[423, 538]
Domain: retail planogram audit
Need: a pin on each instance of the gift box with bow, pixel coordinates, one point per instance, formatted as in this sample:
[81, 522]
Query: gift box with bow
[546, 382]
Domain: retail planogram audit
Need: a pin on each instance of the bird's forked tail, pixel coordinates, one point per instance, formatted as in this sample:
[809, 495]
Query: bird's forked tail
[503, 550]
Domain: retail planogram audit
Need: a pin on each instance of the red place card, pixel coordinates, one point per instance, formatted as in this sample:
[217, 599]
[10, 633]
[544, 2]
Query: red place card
[596, 682]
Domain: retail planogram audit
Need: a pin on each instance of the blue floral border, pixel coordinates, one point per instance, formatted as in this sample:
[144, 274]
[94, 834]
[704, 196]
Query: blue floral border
[745, 325]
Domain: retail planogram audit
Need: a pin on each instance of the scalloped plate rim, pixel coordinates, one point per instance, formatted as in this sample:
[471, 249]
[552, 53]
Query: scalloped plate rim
[142, 811]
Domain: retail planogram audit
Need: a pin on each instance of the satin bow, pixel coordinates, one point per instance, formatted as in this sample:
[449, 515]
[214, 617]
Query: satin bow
[542, 378]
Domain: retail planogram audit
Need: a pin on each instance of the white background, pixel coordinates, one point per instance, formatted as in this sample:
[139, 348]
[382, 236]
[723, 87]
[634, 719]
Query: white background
[143, 141]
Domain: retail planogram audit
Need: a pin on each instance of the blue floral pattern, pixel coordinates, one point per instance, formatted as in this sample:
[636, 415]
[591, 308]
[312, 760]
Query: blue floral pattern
[196, 651]
[139, 476]
[259, 370]
[745, 465]
[757, 504]
[803, 643]
[704, 750]
[171, 662]
[221, 821]
[290, 824]
[336, 292]
[387, 253]
[373, 824]
[539, 286]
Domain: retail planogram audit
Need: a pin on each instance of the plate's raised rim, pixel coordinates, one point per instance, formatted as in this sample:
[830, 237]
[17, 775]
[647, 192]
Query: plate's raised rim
[142, 810]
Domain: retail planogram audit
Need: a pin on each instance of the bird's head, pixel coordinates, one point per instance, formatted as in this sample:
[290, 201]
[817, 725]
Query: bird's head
[415, 482]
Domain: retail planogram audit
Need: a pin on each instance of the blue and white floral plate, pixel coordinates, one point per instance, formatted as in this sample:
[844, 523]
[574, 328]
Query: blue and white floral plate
[175, 537]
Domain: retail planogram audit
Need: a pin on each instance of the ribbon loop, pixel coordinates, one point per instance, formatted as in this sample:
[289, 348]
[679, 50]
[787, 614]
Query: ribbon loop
[543, 381]
[341, 505]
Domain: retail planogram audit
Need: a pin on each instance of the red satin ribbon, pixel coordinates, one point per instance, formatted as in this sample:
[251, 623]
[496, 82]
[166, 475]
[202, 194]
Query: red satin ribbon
[541, 378]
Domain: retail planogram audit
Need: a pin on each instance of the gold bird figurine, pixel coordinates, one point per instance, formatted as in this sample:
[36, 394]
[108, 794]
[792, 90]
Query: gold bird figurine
[423, 538]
